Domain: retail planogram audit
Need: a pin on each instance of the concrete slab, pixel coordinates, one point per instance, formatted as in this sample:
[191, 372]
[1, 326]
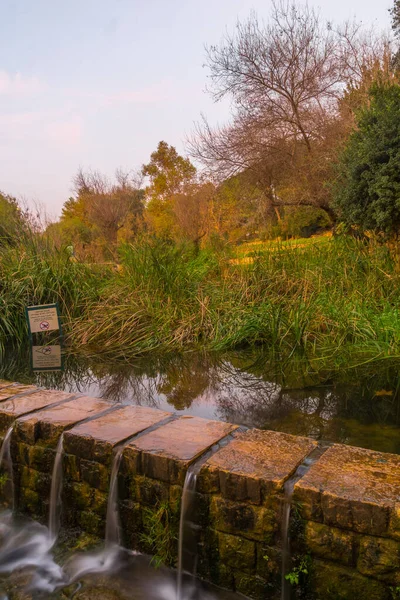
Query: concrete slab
[352, 488]
[95, 440]
[166, 453]
[16, 407]
[254, 465]
[15, 388]
[46, 426]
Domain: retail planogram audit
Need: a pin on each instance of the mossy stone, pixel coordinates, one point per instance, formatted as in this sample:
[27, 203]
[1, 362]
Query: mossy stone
[380, 557]
[336, 582]
[331, 543]
[237, 552]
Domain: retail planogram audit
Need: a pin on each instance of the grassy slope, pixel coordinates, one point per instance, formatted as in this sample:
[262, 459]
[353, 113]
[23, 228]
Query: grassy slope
[327, 298]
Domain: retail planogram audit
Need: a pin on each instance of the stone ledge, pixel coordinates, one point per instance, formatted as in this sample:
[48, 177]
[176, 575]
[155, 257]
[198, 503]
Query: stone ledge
[13, 408]
[166, 453]
[46, 426]
[254, 465]
[353, 489]
[13, 389]
[96, 439]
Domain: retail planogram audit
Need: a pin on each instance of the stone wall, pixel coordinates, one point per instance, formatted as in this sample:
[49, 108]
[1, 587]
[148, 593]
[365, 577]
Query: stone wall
[345, 524]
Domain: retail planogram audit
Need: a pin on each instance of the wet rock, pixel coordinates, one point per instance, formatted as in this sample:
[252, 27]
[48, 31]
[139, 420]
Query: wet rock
[10, 409]
[254, 465]
[46, 426]
[165, 454]
[96, 439]
[352, 488]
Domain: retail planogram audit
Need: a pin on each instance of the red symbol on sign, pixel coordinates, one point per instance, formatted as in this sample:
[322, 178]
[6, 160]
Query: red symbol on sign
[44, 325]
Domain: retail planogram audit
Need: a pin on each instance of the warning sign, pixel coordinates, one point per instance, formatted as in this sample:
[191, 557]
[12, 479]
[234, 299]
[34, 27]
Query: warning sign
[46, 358]
[43, 318]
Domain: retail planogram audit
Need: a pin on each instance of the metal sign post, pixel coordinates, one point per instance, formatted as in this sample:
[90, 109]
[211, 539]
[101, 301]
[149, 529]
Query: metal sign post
[42, 320]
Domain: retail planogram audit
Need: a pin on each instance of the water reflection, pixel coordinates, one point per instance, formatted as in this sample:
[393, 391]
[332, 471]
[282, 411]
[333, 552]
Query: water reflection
[359, 407]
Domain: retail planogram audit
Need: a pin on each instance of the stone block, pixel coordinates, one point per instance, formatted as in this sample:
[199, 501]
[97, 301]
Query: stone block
[331, 543]
[255, 465]
[353, 488]
[380, 558]
[394, 523]
[91, 523]
[72, 468]
[15, 389]
[35, 457]
[95, 474]
[131, 524]
[46, 426]
[11, 409]
[30, 503]
[237, 552]
[95, 440]
[253, 587]
[246, 520]
[78, 496]
[165, 453]
[34, 480]
[149, 492]
[269, 563]
[336, 582]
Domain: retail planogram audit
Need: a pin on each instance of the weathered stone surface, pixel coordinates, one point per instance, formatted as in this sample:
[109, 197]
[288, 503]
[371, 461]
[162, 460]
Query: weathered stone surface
[165, 454]
[14, 389]
[394, 524]
[351, 488]
[46, 426]
[331, 543]
[13, 408]
[249, 521]
[254, 465]
[380, 557]
[336, 582]
[237, 552]
[95, 440]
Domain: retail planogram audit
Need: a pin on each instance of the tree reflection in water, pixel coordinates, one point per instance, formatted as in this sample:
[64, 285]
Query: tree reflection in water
[359, 407]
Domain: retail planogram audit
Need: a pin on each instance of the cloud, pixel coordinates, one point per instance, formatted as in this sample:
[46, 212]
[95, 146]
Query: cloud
[15, 84]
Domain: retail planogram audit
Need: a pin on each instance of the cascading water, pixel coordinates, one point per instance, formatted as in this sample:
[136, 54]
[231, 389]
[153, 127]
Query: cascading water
[112, 519]
[5, 456]
[289, 489]
[185, 525]
[187, 543]
[55, 493]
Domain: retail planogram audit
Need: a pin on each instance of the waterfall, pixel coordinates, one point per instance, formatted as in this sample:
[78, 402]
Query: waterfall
[112, 519]
[55, 493]
[189, 488]
[5, 456]
[289, 489]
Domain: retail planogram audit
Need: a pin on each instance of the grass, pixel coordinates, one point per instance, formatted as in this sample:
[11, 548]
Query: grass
[330, 299]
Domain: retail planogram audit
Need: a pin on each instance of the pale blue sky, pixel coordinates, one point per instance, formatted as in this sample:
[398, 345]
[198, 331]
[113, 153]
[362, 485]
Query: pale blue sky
[98, 83]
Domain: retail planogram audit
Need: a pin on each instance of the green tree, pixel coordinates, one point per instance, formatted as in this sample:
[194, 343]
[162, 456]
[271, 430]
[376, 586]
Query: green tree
[171, 182]
[367, 188]
[12, 220]
[101, 214]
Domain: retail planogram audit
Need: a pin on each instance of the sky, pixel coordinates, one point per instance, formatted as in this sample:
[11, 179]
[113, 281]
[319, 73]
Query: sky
[98, 83]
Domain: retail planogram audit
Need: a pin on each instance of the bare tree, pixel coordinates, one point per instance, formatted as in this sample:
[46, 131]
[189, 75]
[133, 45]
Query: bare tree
[285, 80]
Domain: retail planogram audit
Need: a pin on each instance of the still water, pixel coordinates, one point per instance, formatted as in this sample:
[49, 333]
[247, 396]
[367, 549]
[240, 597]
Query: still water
[360, 406]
